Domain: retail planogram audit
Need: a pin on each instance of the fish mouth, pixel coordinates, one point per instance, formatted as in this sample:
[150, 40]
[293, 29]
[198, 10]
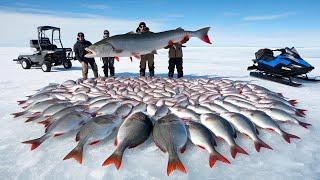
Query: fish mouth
[90, 53]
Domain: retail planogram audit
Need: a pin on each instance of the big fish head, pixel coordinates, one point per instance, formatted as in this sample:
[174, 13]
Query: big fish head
[100, 49]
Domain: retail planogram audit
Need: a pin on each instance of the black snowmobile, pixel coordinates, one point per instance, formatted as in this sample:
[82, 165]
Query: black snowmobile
[282, 68]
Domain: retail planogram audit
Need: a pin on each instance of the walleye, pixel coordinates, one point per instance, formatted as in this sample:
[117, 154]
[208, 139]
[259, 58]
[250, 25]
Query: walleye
[130, 44]
[170, 135]
[132, 132]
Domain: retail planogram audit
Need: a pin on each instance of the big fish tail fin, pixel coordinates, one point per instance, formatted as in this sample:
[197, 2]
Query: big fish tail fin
[303, 124]
[175, 163]
[36, 142]
[237, 149]
[286, 136]
[259, 143]
[18, 114]
[203, 34]
[115, 158]
[217, 157]
[76, 153]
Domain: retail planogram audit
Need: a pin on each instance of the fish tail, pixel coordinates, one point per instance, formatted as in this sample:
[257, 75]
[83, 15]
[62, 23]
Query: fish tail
[237, 149]
[293, 102]
[46, 122]
[76, 153]
[21, 102]
[203, 34]
[36, 142]
[259, 143]
[33, 117]
[303, 124]
[115, 159]
[18, 114]
[217, 157]
[286, 136]
[174, 163]
[301, 111]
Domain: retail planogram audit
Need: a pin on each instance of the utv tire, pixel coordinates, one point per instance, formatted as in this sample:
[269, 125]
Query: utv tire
[46, 66]
[25, 63]
[67, 64]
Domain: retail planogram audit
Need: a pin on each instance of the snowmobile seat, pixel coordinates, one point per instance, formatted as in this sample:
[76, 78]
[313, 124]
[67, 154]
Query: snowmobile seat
[265, 54]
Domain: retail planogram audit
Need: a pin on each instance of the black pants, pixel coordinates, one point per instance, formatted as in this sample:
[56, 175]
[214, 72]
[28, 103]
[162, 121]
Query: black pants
[85, 65]
[108, 63]
[147, 58]
[178, 63]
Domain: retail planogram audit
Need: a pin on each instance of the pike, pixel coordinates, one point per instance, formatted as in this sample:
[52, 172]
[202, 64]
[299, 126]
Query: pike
[131, 44]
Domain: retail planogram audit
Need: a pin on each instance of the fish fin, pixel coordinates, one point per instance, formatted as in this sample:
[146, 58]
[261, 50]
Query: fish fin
[29, 96]
[201, 147]
[115, 142]
[303, 124]
[77, 136]
[257, 131]
[301, 111]
[203, 34]
[115, 158]
[94, 142]
[259, 143]
[286, 136]
[217, 157]
[237, 149]
[293, 102]
[21, 102]
[117, 58]
[35, 142]
[18, 114]
[136, 55]
[162, 149]
[183, 149]
[76, 154]
[58, 134]
[173, 164]
[31, 118]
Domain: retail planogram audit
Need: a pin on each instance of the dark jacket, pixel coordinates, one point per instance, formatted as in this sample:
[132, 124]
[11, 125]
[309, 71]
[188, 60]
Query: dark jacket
[175, 51]
[79, 51]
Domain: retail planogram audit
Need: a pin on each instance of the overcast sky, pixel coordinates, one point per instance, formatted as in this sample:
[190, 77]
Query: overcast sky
[232, 22]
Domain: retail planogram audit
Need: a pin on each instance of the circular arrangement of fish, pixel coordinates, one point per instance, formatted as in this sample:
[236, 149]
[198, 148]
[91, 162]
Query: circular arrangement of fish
[171, 111]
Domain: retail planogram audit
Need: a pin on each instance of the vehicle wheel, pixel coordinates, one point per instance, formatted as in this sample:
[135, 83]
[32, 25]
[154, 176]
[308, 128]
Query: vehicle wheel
[67, 64]
[46, 66]
[25, 63]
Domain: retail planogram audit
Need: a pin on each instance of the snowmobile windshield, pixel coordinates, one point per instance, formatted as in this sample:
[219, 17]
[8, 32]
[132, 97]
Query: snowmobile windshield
[292, 53]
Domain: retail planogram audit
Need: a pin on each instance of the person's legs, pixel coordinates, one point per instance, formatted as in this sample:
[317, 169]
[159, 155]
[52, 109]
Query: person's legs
[94, 67]
[171, 67]
[179, 64]
[151, 65]
[111, 66]
[84, 69]
[105, 67]
[142, 66]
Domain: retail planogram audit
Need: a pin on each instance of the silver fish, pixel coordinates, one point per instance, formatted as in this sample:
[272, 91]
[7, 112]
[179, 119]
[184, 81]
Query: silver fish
[170, 135]
[132, 132]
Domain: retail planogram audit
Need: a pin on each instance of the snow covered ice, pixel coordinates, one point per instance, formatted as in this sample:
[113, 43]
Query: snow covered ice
[291, 161]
